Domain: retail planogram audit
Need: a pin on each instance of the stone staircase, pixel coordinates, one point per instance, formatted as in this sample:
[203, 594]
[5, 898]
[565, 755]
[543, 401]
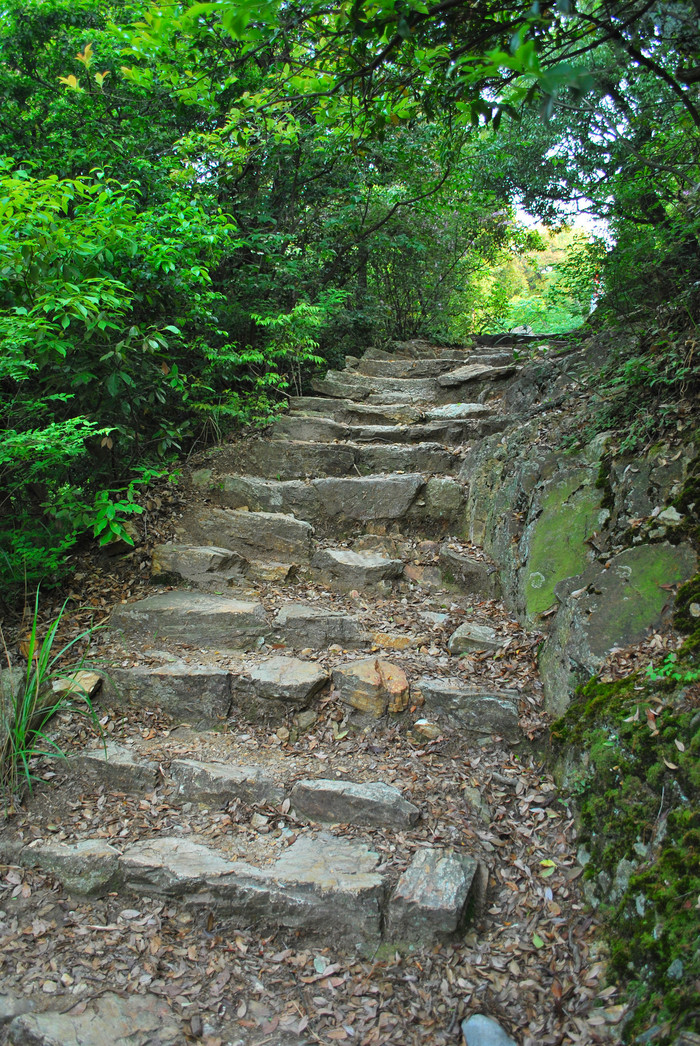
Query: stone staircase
[318, 578]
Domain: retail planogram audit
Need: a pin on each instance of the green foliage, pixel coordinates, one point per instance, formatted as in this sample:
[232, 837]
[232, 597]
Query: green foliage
[28, 702]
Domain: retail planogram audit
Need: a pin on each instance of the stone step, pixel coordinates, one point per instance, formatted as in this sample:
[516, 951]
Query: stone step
[259, 534]
[195, 618]
[422, 368]
[463, 382]
[352, 412]
[321, 884]
[474, 423]
[475, 711]
[333, 505]
[348, 570]
[295, 459]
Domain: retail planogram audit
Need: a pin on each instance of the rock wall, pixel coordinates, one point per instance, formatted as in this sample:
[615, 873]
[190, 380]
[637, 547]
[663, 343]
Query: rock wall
[589, 546]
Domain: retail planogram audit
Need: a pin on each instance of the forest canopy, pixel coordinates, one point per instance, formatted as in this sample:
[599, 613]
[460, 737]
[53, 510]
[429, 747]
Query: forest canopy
[203, 201]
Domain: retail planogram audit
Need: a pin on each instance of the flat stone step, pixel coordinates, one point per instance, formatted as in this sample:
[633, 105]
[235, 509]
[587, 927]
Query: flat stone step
[276, 686]
[324, 885]
[345, 802]
[327, 503]
[284, 459]
[300, 625]
[397, 368]
[443, 431]
[208, 567]
[218, 784]
[352, 412]
[476, 711]
[264, 531]
[349, 570]
[197, 694]
[193, 617]
[139, 1020]
[442, 389]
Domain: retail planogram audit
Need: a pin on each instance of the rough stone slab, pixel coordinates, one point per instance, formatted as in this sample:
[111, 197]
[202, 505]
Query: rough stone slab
[300, 626]
[356, 569]
[278, 684]
[136, 1020]
[413, 457]
[198, 694]
[396, 368]
[480, 1030]
[90, 866]
[307, 428]
[372, 686]
[284, 459]
[473, 637]
[344, 802]
[373, 497]
[78, 685]
[201, 564]
[321, 884]
[220, 783]
[13, 1006]
[431, 897]
[116, 767]
[475, 372]
[256, 535]
[341, 385]
[351, 412]
[444, 498]
[193, 617]
[458, 411]
[475, 576]
[479, 712]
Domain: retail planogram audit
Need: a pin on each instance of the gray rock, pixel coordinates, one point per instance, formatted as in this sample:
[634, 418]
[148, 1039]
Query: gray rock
[199, 694]
[474, 576]
[301, 626]
[220, 783]
[372, 686]
[203, 565]
[307, 428]
[193, 617]
[609, 608]
[416, 457]
[471, 636]
[284, 459]
[454, 411]
[418, 368]
[116, 767]
[277, 685]
[431, 897]
[476, 711]
[137, 1020]
[320, 884]
[255, 535]
[12, 1006]
[475, 372]
[374, 497]
[90, 866]
[479, 1030]
[345, 802]
[444, 498]
[361, 570]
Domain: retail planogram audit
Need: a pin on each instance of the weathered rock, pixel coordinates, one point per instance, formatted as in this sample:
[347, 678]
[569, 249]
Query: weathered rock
[285, 459]
[276, 685]
[203, 565]
[12, 1006]
[475, 576]
[90, 866]
[475, 372]
[193, 617]
[301, 626]
[431, 897]
[471, 636]
[116, 767]
[78, 686]
[479, 712]
[418, 368]
[454, 411]
[373, 497]
[199, 694]
[321, 884]
[414, 457]
[255, 535]
[345, 802]
[606, 609]
[479, 1030]
[359, 570]
[372, 686]
[220, 783]
[137, 1020]
[444, 498]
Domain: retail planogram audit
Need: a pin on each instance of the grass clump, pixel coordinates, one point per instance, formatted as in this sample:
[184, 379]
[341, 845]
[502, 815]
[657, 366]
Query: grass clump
[30, 697]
